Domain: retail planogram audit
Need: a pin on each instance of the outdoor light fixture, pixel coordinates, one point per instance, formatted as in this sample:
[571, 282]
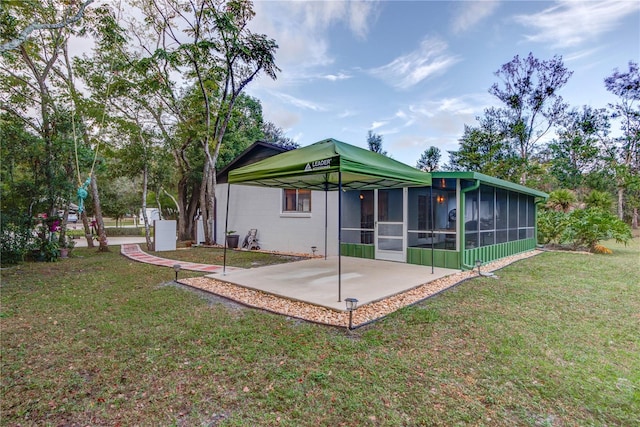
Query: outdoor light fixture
[478, 264]
[440, 198]
[314, 249]
[176, 268]
[351, 304]
[361, 196]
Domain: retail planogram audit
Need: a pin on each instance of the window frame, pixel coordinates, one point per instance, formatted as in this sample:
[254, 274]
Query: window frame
[297, 202]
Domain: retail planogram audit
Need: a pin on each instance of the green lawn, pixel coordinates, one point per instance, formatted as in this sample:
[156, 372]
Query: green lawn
[237, 258]
[99, 340]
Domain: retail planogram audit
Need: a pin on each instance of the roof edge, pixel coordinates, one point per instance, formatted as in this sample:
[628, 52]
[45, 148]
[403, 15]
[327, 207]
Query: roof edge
[250, 148]
[497, 182]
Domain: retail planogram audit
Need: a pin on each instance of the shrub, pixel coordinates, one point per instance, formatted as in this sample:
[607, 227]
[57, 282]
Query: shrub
[561, 200]
[587, 227]
[551, 226]
[15, 238]
[581, 228]
[599, 199]
[125, 231]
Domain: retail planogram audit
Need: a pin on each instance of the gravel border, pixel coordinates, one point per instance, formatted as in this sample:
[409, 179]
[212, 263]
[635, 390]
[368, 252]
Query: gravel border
[364, 314]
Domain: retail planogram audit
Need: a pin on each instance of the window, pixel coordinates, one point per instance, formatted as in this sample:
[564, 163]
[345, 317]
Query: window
[437, 228]
[503, 216]
[487, 208]
[296, 200]
[357, 217]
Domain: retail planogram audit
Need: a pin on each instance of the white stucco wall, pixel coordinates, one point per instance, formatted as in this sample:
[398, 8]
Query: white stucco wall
[261, 208]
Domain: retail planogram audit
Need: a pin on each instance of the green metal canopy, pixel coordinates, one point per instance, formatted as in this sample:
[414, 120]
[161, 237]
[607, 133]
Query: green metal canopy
[327, 165]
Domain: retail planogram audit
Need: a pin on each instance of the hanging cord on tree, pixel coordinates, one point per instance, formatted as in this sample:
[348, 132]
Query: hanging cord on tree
[82, 191]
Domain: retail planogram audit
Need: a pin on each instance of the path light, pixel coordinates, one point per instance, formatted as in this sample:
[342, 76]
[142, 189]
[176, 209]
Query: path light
[478, 264]
[352, 304]
[176, 268]
[314, 249]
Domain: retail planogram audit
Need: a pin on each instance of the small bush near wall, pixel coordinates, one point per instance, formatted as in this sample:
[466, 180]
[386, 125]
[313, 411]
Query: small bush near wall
[125, 231]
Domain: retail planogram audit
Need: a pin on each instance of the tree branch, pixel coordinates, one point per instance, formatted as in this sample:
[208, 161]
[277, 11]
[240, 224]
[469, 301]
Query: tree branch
[24, 34]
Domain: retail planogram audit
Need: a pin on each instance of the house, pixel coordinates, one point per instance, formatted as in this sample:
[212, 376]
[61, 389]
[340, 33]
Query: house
[382, 209]
[287, 220]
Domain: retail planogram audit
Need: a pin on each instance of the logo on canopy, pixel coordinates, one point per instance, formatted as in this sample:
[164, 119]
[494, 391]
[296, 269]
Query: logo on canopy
[318, 165]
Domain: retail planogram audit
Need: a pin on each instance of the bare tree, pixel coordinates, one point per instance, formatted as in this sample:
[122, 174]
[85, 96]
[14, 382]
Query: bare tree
[529, 90]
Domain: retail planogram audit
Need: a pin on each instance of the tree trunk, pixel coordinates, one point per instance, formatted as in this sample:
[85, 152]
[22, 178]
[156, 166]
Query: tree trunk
[621, 203]
[182, 208]
[187, 207]
[102, 234]
[175, 202]
[634, 219]
[157, 193]
[147, 233]
[87, 229]
[206, 171]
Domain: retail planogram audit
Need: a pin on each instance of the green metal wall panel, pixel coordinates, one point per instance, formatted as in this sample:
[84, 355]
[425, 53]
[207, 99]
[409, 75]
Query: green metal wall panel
[494, 252]
[448, 259]
[444, 259]
[357, 250]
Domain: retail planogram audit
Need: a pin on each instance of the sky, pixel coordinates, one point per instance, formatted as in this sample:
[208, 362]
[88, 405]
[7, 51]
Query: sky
[415, 72]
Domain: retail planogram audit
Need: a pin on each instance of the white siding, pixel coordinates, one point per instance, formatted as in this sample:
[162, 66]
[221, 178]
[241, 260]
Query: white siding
[261, 208]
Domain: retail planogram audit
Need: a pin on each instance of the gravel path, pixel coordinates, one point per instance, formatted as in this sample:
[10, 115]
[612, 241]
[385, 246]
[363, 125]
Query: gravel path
[364, 314]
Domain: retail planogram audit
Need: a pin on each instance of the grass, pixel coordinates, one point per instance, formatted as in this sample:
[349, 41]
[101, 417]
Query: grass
[100, 340]
[236, 258]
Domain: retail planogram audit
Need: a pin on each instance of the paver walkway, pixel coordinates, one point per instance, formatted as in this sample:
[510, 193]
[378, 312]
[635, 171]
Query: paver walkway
[133, 251]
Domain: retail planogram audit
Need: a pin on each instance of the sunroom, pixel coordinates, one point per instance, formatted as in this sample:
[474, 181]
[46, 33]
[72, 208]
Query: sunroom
[423, 225]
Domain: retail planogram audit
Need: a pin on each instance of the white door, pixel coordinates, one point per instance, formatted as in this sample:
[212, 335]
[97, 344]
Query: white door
[389, 229]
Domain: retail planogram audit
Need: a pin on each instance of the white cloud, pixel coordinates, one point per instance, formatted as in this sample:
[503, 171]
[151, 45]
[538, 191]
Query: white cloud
[376, 125]
[430, 59]
[470, 13]
[335, 77]
[447, 116]
[300, 103]
[572, 23]
[300, 29]
[361, 14]
[581, 54]
[347, 113]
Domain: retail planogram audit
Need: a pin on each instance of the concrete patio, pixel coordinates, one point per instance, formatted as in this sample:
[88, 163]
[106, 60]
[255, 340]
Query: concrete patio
[315, 281]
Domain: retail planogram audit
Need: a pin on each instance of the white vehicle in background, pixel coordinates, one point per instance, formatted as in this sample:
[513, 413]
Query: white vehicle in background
[73, 216]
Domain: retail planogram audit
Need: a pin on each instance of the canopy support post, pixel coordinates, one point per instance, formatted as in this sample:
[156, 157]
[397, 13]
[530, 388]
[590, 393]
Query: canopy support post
[226, 229]
[339, 236]
[432, 226]
[326, 212]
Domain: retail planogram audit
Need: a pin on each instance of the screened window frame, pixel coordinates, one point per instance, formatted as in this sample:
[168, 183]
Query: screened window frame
[518, 225]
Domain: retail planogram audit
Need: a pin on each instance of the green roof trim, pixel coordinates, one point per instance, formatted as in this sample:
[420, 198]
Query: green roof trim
[486, 179]
[319, 166]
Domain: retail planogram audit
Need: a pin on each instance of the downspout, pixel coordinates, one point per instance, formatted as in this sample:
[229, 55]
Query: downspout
[535, 217]
[460, 220]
